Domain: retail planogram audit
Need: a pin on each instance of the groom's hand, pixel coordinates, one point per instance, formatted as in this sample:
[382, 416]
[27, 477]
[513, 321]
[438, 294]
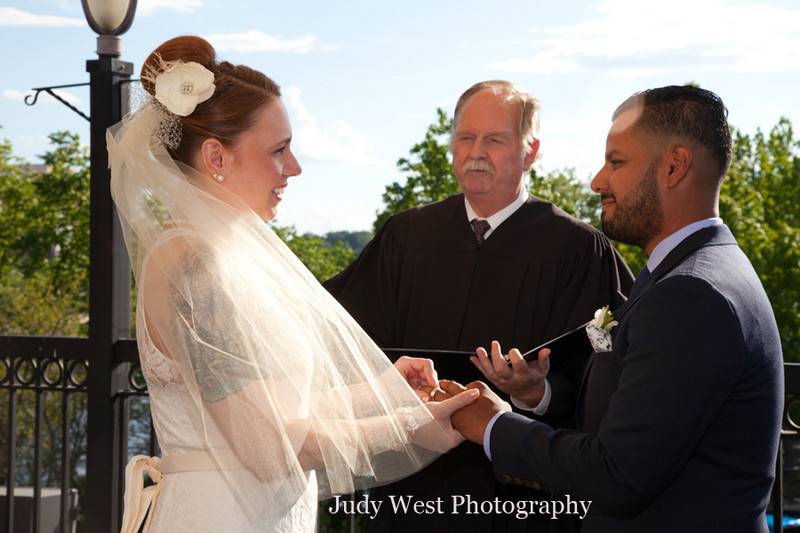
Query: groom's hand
[471, 421]
[419, 373]
[522, 380]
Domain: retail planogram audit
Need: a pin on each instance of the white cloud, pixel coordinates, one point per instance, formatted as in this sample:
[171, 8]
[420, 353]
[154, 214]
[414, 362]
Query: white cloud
[13, 94]
[337, 141]
[711, 34]
[11, 16]
[638, 72]
[147, 7]
[257, 41]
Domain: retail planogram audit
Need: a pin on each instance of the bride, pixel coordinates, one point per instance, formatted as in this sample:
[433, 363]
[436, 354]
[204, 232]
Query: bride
[266, 396]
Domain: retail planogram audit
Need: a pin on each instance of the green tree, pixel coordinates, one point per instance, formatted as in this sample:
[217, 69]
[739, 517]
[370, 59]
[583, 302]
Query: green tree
[322, 259]
[565, 190]
[759, 201]
[44, 260]
[428, 175]
[44, 240]
[354, 239]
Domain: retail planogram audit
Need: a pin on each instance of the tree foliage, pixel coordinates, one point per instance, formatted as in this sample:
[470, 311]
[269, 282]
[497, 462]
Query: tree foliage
[354, 239]
[428, 175]
[760, 202]
[322, 259]
[44, 262]
[44, 240]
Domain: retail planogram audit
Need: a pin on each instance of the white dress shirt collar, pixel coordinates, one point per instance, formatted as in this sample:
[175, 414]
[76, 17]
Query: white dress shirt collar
[499, 217]
[667, 245]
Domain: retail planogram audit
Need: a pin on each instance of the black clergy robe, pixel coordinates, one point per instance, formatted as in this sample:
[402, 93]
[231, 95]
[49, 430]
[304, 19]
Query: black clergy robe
[424, 282]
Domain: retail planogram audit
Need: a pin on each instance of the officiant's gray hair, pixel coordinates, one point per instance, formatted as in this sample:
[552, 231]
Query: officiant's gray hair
[528, 107]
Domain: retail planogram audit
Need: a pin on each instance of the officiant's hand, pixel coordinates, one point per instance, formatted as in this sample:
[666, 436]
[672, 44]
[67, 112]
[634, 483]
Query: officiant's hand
[523, 381]
[419, 373]
[471, 421]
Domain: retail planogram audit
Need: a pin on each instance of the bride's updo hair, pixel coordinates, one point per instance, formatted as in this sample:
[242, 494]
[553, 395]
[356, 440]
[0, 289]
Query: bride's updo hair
[240, 92]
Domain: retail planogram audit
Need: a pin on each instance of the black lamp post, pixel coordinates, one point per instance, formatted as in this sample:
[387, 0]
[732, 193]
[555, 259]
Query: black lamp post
[109, 271]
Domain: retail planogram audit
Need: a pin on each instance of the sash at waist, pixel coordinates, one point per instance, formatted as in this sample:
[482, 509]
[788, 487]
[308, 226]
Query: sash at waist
[138, 499]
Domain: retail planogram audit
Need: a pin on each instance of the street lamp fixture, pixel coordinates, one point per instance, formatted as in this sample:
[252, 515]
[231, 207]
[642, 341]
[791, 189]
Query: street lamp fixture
[109, 271]
[109, 19]
[109, 281]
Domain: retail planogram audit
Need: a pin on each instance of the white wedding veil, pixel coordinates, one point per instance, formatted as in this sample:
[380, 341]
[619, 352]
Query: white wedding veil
[284, 381]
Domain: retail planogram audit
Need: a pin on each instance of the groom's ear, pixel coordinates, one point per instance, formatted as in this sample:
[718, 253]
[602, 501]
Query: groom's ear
[679, 160]
[212, 154]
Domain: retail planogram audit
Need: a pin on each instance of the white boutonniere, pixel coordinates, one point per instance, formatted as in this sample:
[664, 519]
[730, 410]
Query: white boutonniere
[599, 330]
[182, 86]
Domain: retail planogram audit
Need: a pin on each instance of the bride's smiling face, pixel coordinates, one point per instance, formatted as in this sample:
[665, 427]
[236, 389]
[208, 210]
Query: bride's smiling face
[258, 166]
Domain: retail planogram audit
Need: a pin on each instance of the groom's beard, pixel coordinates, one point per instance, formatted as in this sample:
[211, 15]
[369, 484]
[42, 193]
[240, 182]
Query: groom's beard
[639, 218]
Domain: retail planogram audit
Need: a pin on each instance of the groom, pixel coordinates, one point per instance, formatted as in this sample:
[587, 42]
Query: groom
[679, 422]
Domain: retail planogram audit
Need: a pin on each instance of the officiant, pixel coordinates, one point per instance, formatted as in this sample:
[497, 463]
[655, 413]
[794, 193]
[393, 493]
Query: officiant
[491, 263]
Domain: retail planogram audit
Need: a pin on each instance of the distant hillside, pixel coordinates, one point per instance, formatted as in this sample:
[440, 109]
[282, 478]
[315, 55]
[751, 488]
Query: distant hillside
[354, 239]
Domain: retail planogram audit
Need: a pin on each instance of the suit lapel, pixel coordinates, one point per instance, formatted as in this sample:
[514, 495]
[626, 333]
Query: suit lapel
[711, 236]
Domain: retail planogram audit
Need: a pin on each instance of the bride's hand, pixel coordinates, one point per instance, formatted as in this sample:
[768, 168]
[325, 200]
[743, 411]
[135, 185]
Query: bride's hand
[429, 436]
[419, 373]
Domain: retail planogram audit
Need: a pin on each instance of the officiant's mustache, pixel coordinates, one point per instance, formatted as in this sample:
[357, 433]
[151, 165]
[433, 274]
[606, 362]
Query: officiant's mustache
[477, 164]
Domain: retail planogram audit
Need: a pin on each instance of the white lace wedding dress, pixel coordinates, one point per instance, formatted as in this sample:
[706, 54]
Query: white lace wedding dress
[195, 502]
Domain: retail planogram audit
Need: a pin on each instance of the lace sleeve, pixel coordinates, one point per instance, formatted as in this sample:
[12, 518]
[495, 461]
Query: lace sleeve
[204, 323]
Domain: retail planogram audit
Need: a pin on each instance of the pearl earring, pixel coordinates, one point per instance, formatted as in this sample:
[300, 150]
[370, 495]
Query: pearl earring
[219, 178]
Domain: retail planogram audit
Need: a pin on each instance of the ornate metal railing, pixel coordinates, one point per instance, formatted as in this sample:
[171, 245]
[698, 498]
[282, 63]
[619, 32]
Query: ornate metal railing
[789, 431]
[42, 379]
[38, 366]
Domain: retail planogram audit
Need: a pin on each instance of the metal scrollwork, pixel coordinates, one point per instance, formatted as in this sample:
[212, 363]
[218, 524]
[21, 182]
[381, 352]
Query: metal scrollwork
[77, 373]
[136, 378]
[52, 370]
[25, 372]
[6, 376]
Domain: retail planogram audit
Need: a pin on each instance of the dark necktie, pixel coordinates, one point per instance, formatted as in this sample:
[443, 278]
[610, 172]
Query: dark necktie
[641, 279]
[479, 228]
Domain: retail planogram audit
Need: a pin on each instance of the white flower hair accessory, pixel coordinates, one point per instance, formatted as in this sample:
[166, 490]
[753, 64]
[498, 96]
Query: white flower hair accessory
[180, 87]
[599, 330]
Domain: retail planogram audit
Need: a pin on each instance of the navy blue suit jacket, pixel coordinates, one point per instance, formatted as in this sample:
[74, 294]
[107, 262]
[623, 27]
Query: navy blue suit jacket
[678, 425]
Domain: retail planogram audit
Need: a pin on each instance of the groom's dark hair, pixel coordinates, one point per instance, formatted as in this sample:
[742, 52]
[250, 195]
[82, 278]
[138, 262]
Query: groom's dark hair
[685, 111]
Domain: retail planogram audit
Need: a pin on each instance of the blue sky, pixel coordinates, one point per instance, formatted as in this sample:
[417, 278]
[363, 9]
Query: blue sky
[362, 80]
